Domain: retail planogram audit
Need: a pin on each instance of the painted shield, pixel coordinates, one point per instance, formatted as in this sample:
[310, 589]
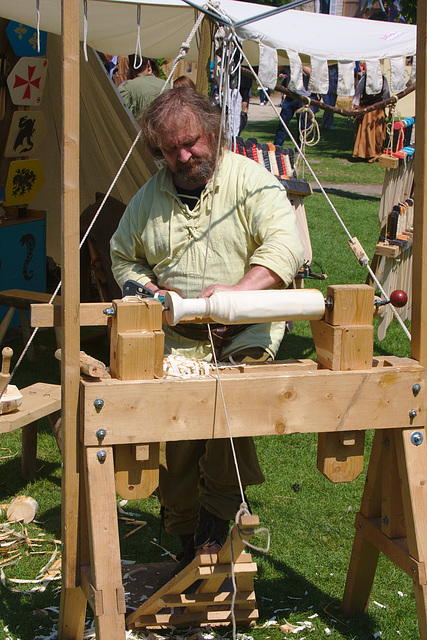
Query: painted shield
[24, 39]
[26, 81]
[27, 130]
[24, 181]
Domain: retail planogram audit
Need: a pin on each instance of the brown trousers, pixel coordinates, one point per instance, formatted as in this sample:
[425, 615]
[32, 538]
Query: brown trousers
[202, 472]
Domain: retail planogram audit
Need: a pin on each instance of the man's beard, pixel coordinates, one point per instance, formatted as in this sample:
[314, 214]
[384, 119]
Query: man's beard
[195, 172]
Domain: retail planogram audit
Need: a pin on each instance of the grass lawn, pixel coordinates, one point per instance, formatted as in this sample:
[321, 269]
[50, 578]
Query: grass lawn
[311, 520]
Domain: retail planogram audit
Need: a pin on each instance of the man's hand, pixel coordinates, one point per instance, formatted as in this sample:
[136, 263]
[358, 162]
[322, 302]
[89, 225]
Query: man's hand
[256, 278]
[217, 287]
[155, 288]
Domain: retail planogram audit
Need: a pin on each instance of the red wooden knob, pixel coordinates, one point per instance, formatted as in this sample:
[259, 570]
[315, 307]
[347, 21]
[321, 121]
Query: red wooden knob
[398, 298]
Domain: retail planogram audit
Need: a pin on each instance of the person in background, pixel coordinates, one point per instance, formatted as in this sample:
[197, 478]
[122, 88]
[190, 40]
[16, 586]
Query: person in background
[117, 67]
[245, 238]
[245, 92]
[370, 129]
[330, 98]
[143, 86]
[289, 106]
[263, 92]
[184, 81]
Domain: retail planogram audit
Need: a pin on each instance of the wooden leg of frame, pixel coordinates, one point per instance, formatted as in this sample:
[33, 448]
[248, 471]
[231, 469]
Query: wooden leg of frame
[72, 614]
[105, 577]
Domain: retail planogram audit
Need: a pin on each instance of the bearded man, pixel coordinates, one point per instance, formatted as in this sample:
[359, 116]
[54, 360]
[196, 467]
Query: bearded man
[211, 219]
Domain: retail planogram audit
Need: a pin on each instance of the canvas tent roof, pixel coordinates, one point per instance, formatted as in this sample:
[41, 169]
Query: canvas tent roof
[165, 25]
[112, 28]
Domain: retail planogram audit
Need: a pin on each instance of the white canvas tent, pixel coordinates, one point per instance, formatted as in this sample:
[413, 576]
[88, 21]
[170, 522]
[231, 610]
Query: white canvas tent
[112, 26]
[106, 129]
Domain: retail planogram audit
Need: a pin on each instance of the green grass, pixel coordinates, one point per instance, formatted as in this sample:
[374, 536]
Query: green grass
[311, 520]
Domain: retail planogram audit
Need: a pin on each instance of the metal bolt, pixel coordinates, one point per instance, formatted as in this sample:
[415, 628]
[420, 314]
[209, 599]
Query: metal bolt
[416, 438]
[412, 415]
[386, 442]
[102, 456]
[109, 311]
[100, 434]
[329, 303]
[385, 520]
[98, 404]
[416, 389]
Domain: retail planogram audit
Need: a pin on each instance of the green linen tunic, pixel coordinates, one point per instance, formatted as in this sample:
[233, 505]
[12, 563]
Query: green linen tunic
[139, 92]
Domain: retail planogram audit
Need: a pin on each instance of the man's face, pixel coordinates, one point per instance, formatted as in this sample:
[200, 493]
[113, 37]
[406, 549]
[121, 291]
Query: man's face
[189, 153]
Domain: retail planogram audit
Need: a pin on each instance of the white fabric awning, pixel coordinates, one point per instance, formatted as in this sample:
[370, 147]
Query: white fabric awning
[165, 25]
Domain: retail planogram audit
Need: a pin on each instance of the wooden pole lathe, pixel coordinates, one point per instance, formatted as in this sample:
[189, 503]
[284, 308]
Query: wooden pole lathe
[388, 395]
[351, 393]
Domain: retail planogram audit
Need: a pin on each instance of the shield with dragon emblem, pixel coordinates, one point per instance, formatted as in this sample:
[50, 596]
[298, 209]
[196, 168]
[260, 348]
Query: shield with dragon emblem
[24, 181]
[27, 130]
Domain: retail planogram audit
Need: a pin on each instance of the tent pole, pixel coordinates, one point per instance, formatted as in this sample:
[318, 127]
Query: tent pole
[419, 281]
[203, 63]
[73, 601]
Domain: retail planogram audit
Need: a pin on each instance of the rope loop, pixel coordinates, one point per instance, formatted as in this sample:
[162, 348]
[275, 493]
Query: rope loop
[85, 30]
[38, 24]
[138, 53]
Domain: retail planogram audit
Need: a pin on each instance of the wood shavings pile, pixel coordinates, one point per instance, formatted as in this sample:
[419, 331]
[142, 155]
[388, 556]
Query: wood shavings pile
[15, 543]
[182, 367]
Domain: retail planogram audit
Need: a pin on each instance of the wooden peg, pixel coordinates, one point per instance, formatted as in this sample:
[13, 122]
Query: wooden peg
[7, 354]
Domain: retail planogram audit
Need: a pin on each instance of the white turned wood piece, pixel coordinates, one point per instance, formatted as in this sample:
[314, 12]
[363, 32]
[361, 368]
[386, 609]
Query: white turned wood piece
[22, 509]
[247, 307]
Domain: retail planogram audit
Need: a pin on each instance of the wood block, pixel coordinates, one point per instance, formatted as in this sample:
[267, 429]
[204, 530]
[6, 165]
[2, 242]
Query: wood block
[385, 160]
[337, 461]
[141, 315]
[136, 479]
[353, 304]
[327, 340]
[135, 349]
[357, 347]
[388, 250]
[135, 356]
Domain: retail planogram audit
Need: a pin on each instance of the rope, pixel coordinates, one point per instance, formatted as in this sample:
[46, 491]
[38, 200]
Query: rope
[364, 263]
[138, 136]
[138, 53]
[38, 25]
[185, 46]
[309, 135]
[85, 30]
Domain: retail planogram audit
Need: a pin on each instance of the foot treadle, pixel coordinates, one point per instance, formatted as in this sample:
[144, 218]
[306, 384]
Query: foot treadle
[211, 601]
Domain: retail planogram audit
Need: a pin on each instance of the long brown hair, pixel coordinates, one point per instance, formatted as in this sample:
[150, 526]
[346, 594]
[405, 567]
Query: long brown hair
[180, 105]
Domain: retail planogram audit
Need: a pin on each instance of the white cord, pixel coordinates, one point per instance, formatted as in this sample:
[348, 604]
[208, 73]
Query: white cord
[85, 30]
[396, 315]
[138, 53]
[38, 25]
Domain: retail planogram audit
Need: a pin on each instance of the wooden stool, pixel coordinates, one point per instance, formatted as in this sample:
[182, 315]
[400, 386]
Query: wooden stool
[21, 300]
[40, 400]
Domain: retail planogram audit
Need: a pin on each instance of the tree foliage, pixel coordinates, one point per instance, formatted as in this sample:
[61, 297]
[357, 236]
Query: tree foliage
[402, 10]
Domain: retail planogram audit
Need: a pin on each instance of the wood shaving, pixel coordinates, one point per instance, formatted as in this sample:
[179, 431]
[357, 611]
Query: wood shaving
[287, 627]
[14, 545]
[176, 366]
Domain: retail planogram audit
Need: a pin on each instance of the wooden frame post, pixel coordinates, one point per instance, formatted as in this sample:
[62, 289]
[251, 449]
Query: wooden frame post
[419, 283]
[202, 81]
[73, 600]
